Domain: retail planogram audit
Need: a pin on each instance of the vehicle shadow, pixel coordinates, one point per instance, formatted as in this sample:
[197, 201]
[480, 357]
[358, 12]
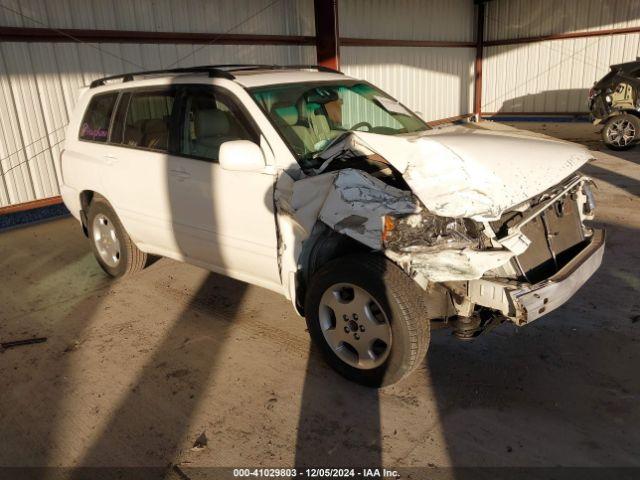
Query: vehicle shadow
[145, 425]
[35, 305]
[153, 418]
[558, 392]
[559, 100]
[624, 182]
[339, 421]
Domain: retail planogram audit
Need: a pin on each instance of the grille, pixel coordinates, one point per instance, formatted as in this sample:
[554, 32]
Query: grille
[556, 237]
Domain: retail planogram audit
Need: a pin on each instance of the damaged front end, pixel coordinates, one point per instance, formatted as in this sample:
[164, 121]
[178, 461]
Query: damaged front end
[486, 238]
[437, 249]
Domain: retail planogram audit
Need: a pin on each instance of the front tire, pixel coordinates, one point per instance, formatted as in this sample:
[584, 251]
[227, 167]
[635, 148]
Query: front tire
[621, 132]
[115, 252]
[368, 318]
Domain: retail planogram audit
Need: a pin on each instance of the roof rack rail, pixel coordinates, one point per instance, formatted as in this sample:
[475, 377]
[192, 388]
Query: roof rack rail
[214, 71]
[128, 77]
[320, 68]
[259, 66]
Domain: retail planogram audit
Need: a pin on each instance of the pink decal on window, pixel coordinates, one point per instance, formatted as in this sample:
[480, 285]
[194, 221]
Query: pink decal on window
[87, 131]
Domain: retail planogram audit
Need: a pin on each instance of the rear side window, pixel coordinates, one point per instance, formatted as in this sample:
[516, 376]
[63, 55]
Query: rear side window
[96, 120]
[148, 120]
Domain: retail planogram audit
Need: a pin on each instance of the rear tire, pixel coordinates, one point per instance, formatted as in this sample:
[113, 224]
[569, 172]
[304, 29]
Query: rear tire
[368, 318]
[621, 132]
[115, 252]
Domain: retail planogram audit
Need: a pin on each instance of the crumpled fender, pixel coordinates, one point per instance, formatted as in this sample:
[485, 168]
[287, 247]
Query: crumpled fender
[354, 203]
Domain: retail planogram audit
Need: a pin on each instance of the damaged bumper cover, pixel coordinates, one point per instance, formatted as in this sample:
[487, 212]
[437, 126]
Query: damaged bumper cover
[524, 303]
[439, 226]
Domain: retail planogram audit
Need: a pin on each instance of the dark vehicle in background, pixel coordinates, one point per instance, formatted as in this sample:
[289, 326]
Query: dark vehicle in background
[615, 102]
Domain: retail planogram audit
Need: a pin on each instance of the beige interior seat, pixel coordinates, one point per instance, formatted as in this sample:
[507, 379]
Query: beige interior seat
[156, 134]
[213, 127]
[298, 135]
[132, 136]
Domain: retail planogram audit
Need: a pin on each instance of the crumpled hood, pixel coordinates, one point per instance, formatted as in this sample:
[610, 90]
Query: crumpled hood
[474, 173]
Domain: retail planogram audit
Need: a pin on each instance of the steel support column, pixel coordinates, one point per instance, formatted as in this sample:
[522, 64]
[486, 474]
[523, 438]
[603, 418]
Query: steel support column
[477, 79]
[327, 34]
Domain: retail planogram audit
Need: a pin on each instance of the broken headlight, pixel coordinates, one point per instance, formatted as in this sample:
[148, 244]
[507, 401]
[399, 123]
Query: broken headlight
[425, 230]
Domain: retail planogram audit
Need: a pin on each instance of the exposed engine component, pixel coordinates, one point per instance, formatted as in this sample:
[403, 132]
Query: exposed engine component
[468, 328]
[424, 230]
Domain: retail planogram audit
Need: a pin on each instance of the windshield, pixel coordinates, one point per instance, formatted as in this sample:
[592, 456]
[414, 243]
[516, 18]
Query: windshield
[309, 116]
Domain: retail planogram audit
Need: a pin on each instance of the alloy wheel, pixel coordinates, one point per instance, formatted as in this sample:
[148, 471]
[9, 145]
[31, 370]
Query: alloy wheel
[355, 326]
[621, 133]
[105, 238]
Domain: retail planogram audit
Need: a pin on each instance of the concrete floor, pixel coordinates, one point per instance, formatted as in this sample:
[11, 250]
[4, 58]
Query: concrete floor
[134, 371]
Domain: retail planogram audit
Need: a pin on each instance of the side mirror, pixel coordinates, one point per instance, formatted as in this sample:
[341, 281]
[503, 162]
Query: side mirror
[241, 156]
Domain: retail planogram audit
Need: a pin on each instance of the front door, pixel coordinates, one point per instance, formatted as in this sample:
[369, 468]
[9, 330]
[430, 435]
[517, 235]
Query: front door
[224, 219]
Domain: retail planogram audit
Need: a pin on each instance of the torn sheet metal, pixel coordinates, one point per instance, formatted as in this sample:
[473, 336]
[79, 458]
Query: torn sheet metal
[442, 265]
[437, 249]
[354, 203]
[470, 173]
[456, 172]
[426, 230]
[357, 202]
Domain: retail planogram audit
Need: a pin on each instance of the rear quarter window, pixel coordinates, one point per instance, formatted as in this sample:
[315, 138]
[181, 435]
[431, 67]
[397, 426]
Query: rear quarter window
[96, 120]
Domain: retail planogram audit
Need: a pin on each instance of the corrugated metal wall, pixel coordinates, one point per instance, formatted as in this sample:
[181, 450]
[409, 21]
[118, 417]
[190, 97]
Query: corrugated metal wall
[527, 18]
[285, 17]
[435, 81]
[438, 82]
[553, 76]
[408, 19]
[39, 81]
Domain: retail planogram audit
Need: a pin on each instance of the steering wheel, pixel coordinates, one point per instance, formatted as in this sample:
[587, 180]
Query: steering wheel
[362, 124]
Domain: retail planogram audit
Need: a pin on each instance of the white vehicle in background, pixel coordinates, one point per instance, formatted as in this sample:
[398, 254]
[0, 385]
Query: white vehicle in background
[325, 189]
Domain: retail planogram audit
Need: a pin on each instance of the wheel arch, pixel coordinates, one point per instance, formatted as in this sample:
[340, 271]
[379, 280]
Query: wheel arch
[86, 197]
[615, 113]
[322, 246]
[325, 244]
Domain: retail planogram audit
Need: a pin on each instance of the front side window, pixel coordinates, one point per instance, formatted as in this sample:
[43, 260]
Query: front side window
[310, 116]
[211, 118]
[148, 120]
[96, 120]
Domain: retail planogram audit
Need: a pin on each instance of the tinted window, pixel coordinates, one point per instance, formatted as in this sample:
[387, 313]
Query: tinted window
[148, 120]
[210, 119]
[95, 123]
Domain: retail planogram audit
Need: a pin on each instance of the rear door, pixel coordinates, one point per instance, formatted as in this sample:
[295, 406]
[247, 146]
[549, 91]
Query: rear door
[136, 177]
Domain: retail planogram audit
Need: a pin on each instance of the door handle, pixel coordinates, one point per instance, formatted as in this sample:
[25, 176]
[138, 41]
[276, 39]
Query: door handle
[180, 174]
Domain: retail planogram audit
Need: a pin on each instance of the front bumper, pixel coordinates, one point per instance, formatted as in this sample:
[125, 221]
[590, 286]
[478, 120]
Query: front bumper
[524, 303]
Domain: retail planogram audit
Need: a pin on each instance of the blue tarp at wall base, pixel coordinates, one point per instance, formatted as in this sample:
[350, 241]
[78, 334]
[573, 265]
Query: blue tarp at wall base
[538, 118]
[35, 215]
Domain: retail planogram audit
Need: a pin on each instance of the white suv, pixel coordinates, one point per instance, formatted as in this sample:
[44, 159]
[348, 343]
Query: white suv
[325, 189]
